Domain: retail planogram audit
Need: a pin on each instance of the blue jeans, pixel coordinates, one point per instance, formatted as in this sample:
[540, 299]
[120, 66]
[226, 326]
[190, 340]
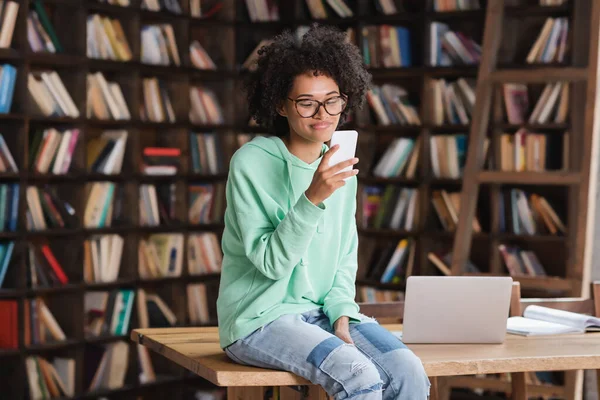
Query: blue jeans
[378, 366]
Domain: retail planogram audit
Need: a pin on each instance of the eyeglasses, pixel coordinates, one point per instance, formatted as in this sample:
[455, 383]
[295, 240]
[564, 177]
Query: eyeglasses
[308, 108]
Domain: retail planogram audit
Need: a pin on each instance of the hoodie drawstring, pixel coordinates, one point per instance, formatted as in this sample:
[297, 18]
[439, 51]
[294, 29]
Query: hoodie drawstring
[291, 194]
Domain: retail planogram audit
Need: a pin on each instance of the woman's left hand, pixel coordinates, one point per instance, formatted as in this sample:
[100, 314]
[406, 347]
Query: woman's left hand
[344, 334]
[342, 329]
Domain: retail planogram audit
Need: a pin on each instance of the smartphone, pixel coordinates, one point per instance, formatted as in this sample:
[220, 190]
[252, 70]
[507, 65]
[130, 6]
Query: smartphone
[347, 141]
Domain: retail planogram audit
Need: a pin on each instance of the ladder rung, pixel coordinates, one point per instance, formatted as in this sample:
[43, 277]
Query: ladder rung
[543, 74]
[531, 178]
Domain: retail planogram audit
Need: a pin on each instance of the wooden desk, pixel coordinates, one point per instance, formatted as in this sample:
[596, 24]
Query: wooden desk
[197, 349]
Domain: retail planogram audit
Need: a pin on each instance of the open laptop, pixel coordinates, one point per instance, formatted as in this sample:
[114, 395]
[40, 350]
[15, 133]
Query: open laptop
[456, 309]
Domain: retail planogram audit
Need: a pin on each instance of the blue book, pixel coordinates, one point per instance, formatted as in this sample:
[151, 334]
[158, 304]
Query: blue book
[3, 206]
[5, 255]
[7, 87]
[194, 139]
[404, 41]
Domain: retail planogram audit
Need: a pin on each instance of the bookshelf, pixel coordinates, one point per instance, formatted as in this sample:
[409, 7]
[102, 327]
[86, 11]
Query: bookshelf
[229, 36]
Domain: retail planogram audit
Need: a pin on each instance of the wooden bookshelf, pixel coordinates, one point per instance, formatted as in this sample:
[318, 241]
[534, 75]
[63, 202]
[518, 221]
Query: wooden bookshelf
[229, 37]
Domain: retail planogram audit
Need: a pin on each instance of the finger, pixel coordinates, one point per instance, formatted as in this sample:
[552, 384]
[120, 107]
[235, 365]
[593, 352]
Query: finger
[325, 160]
[340, 166]
[343, 175]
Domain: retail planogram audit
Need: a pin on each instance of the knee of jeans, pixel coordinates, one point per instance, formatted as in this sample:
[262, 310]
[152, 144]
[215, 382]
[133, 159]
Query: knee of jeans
[410, 375]
[351, 369]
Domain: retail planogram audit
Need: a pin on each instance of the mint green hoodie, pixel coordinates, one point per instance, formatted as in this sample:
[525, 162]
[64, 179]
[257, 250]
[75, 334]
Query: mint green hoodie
[281, 253]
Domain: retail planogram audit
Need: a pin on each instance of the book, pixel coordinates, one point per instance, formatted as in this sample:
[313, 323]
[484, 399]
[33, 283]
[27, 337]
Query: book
[538, 320]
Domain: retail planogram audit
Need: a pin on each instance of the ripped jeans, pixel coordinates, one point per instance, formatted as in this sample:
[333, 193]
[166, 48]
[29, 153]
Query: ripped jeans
[378, 366]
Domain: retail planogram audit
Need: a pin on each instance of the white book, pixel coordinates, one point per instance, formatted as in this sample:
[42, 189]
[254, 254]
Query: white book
[73, 111]
[56, 95]
[538, 320]
[117, 94]
[8, 24]
[65, 141]
[107, 95]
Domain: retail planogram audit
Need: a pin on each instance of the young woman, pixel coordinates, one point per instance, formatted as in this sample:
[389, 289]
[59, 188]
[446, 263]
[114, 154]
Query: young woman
[290, 244]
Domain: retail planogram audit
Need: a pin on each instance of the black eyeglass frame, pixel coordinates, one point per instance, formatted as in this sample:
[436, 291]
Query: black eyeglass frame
[319, 104]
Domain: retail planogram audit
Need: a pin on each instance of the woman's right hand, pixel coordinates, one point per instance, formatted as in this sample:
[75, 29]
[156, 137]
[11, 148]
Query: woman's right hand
[326, 179]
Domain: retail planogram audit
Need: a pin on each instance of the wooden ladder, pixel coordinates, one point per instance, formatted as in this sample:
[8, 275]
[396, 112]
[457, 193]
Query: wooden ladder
[580, 176]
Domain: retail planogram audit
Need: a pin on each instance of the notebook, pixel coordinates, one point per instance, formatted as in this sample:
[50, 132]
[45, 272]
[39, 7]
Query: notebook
[538, 320]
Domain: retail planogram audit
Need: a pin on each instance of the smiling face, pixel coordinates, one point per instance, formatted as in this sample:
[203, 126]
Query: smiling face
[319, 127]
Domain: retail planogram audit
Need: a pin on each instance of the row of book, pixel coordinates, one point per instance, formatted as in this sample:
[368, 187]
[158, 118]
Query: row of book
[53, 150]
[519, 213]
[106, 39]
[108, 314]
[159, 46]
[105, 100]
[159, 255]
[392, 106]
[206, 150]
[448, 155]
[157, 204]
[389, 207]
[9, 11]
[50, 379]
[105, 367]
[400, 157]
[453, 102]
[46, 210]
[50, 95]
[551, 106]
[40, 32]
[521, 262]
[40, 325]
[207, 202]
[386, 46]
[318, 10]
[157, 106]
[532, 214]
[394, 263]
[43, 268]
[529, 151]
[447, 207]
[102, 258]
[449, 48]
[552, 42]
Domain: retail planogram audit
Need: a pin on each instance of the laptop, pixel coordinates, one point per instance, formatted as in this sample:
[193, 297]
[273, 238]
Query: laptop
[456, 309]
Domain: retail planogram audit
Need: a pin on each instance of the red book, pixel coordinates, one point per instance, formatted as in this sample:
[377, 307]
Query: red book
[162, 152]
[9, 337]
[54, 265]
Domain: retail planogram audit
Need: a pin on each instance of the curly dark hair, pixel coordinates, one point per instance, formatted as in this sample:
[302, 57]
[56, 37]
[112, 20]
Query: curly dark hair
[322, 50]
